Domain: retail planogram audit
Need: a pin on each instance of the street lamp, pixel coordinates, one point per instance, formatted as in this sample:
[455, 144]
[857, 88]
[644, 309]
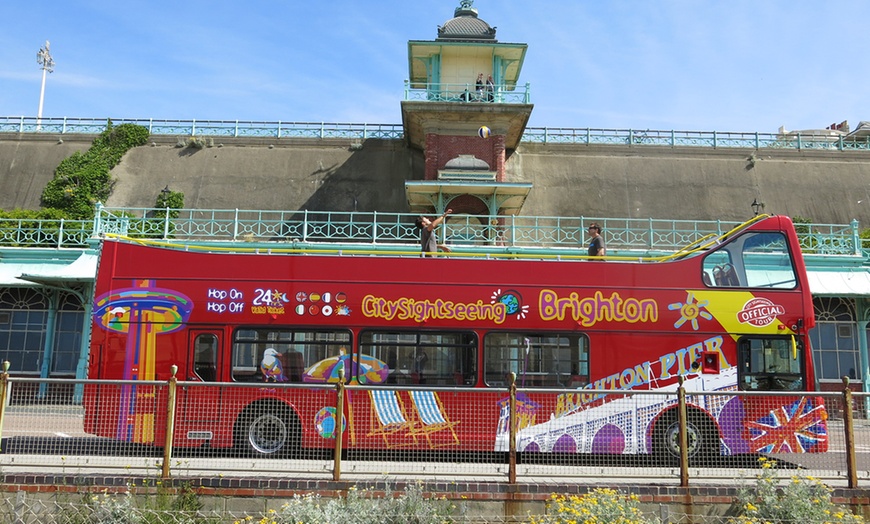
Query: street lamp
[756, 205]
[44, 59]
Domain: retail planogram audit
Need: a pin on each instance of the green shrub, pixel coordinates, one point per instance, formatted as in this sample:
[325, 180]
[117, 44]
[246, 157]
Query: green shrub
[802, 228]
[361, 507]
[802, 499]
[599, 506]
[164, 506]
[173, 200]
[30, 214]
[801, 224]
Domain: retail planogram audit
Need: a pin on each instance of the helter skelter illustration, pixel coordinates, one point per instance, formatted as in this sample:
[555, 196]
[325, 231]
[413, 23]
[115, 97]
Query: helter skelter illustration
[142, 312]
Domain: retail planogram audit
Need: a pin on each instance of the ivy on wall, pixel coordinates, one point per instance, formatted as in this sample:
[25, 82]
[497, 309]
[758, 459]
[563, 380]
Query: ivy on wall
[83, 179]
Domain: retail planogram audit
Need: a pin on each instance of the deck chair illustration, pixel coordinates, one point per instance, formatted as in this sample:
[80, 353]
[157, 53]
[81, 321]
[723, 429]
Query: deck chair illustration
[431, 417]
[389, 418]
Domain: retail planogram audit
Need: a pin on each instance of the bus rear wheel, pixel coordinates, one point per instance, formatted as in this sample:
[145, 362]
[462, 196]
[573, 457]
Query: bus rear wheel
[267, 431]
[701, 439]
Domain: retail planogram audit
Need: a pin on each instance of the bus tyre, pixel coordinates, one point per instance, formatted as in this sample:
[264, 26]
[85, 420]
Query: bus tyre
[701, 437]
[267, 431]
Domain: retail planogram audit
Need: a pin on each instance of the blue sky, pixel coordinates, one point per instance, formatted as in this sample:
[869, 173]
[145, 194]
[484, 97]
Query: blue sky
[737, 65]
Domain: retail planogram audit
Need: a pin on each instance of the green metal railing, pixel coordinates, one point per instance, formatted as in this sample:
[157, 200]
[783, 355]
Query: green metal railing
[468, 92]
[15, 232]
[358, 132]
[394, 230]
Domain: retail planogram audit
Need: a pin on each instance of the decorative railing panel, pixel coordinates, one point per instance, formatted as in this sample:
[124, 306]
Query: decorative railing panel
[392, 229]
[441, 93]
[467, 92]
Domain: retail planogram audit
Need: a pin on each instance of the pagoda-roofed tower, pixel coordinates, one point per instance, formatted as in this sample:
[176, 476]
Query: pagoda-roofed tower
[458, 83]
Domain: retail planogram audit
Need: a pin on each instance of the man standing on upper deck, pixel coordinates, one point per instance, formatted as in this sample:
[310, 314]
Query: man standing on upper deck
[428, 237]
[596, 243]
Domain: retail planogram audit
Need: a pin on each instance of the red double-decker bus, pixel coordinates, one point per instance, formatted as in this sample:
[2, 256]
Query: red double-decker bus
[727, 314]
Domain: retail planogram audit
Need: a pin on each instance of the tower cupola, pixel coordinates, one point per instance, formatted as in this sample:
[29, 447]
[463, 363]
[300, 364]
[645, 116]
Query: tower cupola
[466, 26]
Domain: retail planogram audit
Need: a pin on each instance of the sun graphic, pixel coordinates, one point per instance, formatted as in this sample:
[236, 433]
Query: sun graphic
[276, 297]
[512, 301]
[690, 311]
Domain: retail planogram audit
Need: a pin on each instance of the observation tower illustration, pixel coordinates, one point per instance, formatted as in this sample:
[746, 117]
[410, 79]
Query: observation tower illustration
[143, 312]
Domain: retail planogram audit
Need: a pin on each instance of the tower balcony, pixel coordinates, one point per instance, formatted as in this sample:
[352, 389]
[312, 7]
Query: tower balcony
[460, 109]
[467, 93]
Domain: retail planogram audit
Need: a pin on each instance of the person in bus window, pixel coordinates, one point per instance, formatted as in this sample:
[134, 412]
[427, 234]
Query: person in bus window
[420, 361]
[596, 242]
[428, 237]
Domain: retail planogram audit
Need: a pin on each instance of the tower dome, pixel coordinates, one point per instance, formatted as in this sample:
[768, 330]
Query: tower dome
[466, 26]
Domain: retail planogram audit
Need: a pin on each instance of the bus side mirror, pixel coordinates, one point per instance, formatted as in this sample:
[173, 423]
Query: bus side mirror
[710, 362]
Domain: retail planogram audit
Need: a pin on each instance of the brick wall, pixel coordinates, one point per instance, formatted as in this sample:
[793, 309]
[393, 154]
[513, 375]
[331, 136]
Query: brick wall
[440, 149]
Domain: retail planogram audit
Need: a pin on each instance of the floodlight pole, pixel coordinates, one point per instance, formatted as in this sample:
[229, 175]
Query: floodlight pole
[43, 58]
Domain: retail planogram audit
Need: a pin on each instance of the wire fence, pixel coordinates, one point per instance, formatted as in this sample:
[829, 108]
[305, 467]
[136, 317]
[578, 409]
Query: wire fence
[413, 442]
[441, 430]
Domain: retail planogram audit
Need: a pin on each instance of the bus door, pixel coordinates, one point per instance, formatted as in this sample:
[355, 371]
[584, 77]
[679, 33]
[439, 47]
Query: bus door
[200, 405]
[768, 363]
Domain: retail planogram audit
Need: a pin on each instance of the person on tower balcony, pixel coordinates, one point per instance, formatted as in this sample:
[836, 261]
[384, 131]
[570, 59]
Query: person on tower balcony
[490, 89]
[479, 87]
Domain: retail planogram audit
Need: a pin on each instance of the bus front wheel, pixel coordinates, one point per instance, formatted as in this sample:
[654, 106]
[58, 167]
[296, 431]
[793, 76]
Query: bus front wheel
[701, 436]
[267, 431]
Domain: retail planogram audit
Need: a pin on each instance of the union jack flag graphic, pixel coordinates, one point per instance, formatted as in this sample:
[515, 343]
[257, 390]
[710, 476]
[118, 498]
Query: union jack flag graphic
[797, 428]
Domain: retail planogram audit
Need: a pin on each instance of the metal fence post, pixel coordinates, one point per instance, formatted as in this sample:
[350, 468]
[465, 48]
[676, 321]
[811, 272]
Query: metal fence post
[170, 421]
[166, 223]
[684, 437]
[97, 218]
[849, 429]
[651, 233]
[305, 226]
[339, 427]
[236, 224]
[4, 386]
[512, 430]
